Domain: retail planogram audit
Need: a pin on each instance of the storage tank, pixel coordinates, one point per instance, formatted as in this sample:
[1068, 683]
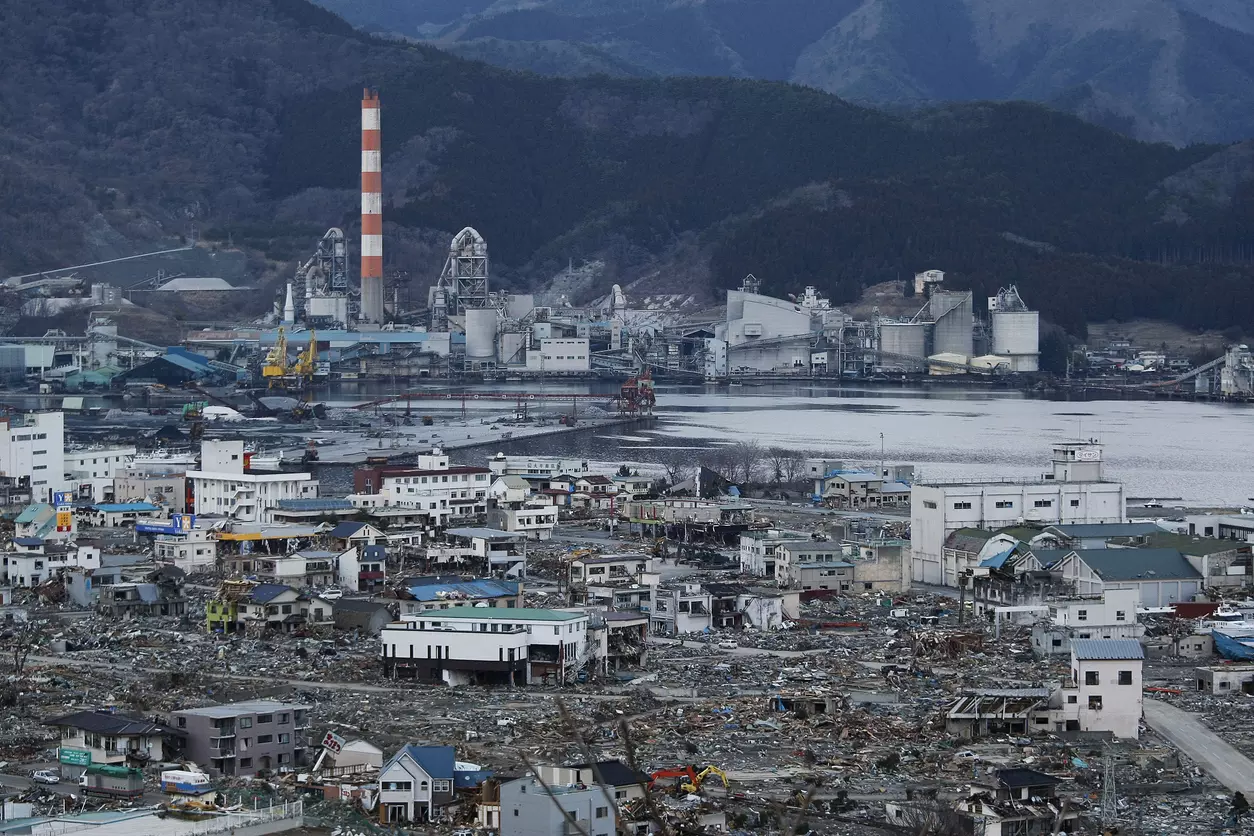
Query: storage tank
[1016, 334]
[954, 318]
[510, 347]
[904, 338]
[481, 325]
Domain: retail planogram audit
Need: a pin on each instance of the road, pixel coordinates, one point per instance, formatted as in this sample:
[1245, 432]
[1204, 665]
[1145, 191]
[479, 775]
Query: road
[1231, 768]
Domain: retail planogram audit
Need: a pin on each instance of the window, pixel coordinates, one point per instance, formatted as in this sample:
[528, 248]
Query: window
[927, 504]
[1081, 615]
[868, 586]
[1075, 503]
[620, 794]
[1090, 678]
[284, 757]
[1057, 643]
[1120, 615]
[962, 506]
[1043, 503]
[1095, 703]
[245, 763]
[264, 738]
[1005, 503]
[1071, 699]
[246, 722]
[441, 786]
[1125, 677]
[401, 786]
[182, 722]
[265, 718]
[285, 738]
[603, 812]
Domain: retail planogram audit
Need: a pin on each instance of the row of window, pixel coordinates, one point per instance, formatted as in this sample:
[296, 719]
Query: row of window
[1005, 503]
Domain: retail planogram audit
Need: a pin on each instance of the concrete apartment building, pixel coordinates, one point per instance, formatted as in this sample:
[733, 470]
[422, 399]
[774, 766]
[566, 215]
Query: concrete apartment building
[487, 645]
[1104, 694]
[33, 444]
[1075, 491]
[244, 738]
[224, 486]
[445, 493]
[91, 471]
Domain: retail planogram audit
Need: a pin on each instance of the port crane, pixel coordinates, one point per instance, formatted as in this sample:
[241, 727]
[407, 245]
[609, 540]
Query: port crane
[278, 370]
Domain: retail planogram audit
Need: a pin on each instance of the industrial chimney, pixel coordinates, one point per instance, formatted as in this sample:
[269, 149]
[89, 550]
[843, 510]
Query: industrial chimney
[371, 210]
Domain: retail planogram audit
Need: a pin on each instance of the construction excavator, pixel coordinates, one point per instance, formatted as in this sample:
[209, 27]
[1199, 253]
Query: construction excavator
[690, 779]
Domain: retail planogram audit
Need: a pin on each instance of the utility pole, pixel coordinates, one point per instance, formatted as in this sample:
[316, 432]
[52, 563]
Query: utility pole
[1110, 796]
[881, 455]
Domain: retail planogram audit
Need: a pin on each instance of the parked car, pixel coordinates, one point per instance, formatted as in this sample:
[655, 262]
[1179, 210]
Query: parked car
[46, 776]
[332, 594]
[728, 645]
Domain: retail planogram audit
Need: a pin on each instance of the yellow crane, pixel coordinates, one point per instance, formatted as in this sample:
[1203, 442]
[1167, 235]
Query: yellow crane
[275, 367]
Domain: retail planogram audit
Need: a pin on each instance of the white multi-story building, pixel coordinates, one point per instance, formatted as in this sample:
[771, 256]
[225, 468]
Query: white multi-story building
[1112, 616]
[222, 485]
[33, 567]
[759, 549]
[90, 472]
[1075, 491]
[503, 465]
[189, 550]
[446, 494]
[1104, 694]
[560, 355]
[535, 522]
[462, 645]
[33, 444]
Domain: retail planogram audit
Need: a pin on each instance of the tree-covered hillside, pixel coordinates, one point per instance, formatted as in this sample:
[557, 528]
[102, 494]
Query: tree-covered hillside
[130, 121]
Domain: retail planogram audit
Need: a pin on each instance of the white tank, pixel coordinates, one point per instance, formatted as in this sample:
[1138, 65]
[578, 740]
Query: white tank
[481, 325]
[1016, 333]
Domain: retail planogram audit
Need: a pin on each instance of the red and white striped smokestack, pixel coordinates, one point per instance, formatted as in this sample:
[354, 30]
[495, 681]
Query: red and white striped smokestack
[371, 209]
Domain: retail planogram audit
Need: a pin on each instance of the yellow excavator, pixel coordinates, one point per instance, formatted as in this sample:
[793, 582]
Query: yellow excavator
[694, 786]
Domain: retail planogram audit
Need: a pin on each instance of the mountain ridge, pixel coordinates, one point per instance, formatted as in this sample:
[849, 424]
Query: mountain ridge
[1178, 71]
[134, 122]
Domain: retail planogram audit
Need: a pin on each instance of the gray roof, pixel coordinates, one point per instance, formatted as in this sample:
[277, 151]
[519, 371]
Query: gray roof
[1138, 564]
[1107, 649]
[235, 709]
[1089, 530]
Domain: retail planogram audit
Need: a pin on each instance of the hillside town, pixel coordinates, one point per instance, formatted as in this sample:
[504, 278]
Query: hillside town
[525, 645]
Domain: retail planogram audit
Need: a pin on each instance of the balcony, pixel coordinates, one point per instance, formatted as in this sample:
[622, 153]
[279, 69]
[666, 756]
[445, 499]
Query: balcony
[370, 576]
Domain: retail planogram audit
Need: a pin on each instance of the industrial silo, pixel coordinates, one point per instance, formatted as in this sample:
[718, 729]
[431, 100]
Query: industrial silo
[1016, 334]
[903, 338]
[481, 325]
[954, 322]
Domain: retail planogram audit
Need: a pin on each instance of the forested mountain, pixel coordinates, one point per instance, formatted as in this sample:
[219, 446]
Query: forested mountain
[1177, 71]
[127, 122]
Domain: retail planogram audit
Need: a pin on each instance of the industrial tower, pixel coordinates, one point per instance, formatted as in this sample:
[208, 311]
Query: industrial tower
[371, 210]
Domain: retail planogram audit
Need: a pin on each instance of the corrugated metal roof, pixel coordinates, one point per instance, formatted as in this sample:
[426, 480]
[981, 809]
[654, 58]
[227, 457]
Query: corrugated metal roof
[1090, 530]
[1138, 564]
[480, 588]
[998, 560]
[1107, 649]
[31, 513]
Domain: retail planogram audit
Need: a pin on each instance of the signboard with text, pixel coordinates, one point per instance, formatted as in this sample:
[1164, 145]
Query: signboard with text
[64, 502]
[333, 743]
[74, 757]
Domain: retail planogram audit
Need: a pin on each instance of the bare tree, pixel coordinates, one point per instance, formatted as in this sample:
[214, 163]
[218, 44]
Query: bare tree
[785, 465]
[746, 460]
[18, 642]
[929, 817]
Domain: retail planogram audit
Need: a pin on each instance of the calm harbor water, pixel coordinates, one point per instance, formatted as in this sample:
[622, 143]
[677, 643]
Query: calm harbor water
[1200, 452]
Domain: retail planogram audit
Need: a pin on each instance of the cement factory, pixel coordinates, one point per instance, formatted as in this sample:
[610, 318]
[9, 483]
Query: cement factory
[326, 326]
